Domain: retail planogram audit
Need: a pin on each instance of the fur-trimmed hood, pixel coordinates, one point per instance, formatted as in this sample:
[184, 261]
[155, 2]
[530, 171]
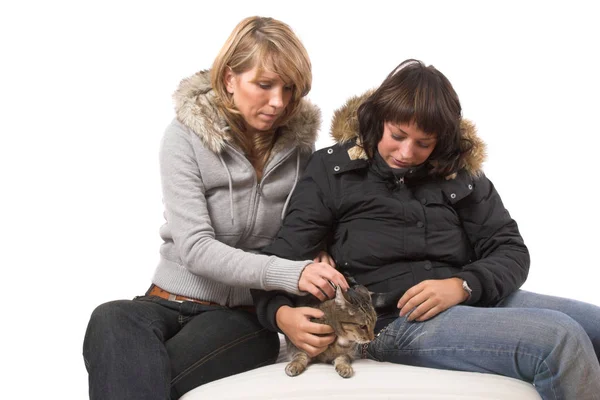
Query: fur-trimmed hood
[195, 108]
[344, 128]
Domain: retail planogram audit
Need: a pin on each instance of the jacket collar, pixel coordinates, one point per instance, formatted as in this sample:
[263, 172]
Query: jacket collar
[195, 108]
[344, 129]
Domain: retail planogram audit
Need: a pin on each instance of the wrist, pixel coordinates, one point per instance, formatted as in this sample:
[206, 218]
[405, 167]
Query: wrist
[463, 287]
[280, 315]
[466, 289]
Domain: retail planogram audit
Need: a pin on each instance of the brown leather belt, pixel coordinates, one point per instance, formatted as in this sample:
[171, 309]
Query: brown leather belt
[159, 292]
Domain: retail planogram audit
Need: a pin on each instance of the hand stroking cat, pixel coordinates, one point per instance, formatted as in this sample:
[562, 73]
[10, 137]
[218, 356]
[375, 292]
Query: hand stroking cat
[352, 317]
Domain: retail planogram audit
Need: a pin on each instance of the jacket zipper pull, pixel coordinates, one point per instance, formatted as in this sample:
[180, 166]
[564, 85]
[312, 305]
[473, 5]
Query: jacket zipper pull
[400, 181]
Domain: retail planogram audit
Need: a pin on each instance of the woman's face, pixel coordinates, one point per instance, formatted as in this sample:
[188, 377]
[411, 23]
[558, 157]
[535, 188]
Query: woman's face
[405, 145]
[261, 98]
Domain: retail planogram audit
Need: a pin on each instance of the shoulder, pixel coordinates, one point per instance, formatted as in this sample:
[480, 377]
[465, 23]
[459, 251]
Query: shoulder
[176, 134]
[465, 185]
[340, 158]
[180, 140]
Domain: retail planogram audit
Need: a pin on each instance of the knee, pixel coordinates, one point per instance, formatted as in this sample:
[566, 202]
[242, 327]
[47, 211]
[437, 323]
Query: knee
[268, 342]
[104, 323]
[109, 315]
[565, 337]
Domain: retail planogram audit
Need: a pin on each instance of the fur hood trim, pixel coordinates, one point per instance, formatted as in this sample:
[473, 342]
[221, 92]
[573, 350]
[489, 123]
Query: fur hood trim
[195, 108]
[344, 128]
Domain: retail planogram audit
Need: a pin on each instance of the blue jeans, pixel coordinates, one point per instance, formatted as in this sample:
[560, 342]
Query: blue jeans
[150, 348]
[551, 342]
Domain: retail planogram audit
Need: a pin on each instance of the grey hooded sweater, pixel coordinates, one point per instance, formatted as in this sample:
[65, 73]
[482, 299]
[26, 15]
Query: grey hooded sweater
[218, 215]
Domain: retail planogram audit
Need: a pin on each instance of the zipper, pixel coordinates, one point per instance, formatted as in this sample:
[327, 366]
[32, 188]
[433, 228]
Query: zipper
[257, 194]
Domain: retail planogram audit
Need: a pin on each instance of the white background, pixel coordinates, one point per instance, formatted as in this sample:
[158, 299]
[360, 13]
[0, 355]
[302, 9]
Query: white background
[86, 94]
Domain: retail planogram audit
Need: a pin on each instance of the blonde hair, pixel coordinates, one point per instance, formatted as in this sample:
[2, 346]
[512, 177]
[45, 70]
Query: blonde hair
[272, 46]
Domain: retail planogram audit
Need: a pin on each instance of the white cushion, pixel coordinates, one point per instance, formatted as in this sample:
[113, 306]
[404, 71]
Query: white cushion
[371, 380]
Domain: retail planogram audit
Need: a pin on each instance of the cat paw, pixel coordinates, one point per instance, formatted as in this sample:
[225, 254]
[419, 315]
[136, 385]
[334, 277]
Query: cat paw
[294, 369]
[344, 370]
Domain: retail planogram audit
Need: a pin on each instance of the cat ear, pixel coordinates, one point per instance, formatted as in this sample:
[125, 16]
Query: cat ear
[340, 298]
[363, 291]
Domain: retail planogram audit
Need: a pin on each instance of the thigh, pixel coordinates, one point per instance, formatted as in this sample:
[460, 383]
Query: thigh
[587, 315]
[218, 343]
[124, 349]
[127, 321]
[503, 341]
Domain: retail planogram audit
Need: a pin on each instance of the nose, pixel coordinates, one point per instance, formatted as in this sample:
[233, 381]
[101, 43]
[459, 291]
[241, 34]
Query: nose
[406, 150]
[276, 99]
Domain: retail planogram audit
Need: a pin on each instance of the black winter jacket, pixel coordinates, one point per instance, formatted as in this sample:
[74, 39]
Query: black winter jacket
[391, 232]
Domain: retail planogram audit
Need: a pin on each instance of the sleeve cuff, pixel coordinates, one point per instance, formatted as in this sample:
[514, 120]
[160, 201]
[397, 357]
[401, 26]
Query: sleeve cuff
[474, 284]
[282, 274]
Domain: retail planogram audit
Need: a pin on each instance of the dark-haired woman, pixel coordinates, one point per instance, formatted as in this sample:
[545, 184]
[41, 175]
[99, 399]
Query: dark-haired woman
[403, 204]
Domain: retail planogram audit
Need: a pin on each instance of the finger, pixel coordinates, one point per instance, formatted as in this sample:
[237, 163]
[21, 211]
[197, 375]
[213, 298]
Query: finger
[319, 341]
[330, 273]
[324, 341]
[318, 293]
[311, 312]
[420, 310]
[429, 314]
[325, 286]
[319, 329]
[413, 302]
[411, 294]
[341, 281]
[312, 351]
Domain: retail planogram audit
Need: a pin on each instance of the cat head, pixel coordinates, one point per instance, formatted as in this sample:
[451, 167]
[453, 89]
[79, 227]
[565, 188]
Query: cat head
[355, 314]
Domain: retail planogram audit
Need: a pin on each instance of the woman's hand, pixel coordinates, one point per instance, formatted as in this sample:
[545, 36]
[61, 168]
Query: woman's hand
[431, 297]
[320, 280]
[310, 337]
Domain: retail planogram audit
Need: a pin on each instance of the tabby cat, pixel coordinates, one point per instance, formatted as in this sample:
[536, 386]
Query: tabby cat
[352, 317]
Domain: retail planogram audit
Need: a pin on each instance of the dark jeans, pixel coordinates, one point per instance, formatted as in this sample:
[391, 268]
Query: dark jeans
[151, 348]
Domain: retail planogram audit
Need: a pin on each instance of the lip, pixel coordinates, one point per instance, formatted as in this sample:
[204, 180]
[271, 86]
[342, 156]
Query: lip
[269, 117]
[400, 163]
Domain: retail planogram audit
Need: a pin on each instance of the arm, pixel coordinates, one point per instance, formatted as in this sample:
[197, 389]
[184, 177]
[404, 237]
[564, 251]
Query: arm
[189, 222]
[310, 216]
[501, 260]
[276, 312]
[308, 222]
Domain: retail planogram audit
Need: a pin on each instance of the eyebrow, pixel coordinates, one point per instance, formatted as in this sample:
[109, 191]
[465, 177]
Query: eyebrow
[271, 79]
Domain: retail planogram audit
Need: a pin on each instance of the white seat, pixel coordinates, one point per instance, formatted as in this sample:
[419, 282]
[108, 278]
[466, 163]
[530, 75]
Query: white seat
[371, 380]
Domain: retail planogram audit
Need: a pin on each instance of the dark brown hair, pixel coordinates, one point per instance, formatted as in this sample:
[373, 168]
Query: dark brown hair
[414, 92]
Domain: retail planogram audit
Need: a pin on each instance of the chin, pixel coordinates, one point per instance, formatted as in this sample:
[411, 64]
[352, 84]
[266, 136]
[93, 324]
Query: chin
[263, 127]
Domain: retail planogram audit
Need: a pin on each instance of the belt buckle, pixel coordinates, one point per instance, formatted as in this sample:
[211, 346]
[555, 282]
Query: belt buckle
[172, 297]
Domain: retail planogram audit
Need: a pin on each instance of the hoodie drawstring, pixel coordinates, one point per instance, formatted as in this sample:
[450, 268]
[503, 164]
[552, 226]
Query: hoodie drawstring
[230, 187]
[287, 200]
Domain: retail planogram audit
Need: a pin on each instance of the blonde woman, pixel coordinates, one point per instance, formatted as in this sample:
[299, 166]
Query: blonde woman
[229, 162]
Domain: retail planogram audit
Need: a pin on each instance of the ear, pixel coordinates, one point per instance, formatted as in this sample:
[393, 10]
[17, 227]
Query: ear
[229, 80]
[363, 291]
[340, 299]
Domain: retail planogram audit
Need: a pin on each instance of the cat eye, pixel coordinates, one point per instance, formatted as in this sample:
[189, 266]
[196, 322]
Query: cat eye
[363, 327]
